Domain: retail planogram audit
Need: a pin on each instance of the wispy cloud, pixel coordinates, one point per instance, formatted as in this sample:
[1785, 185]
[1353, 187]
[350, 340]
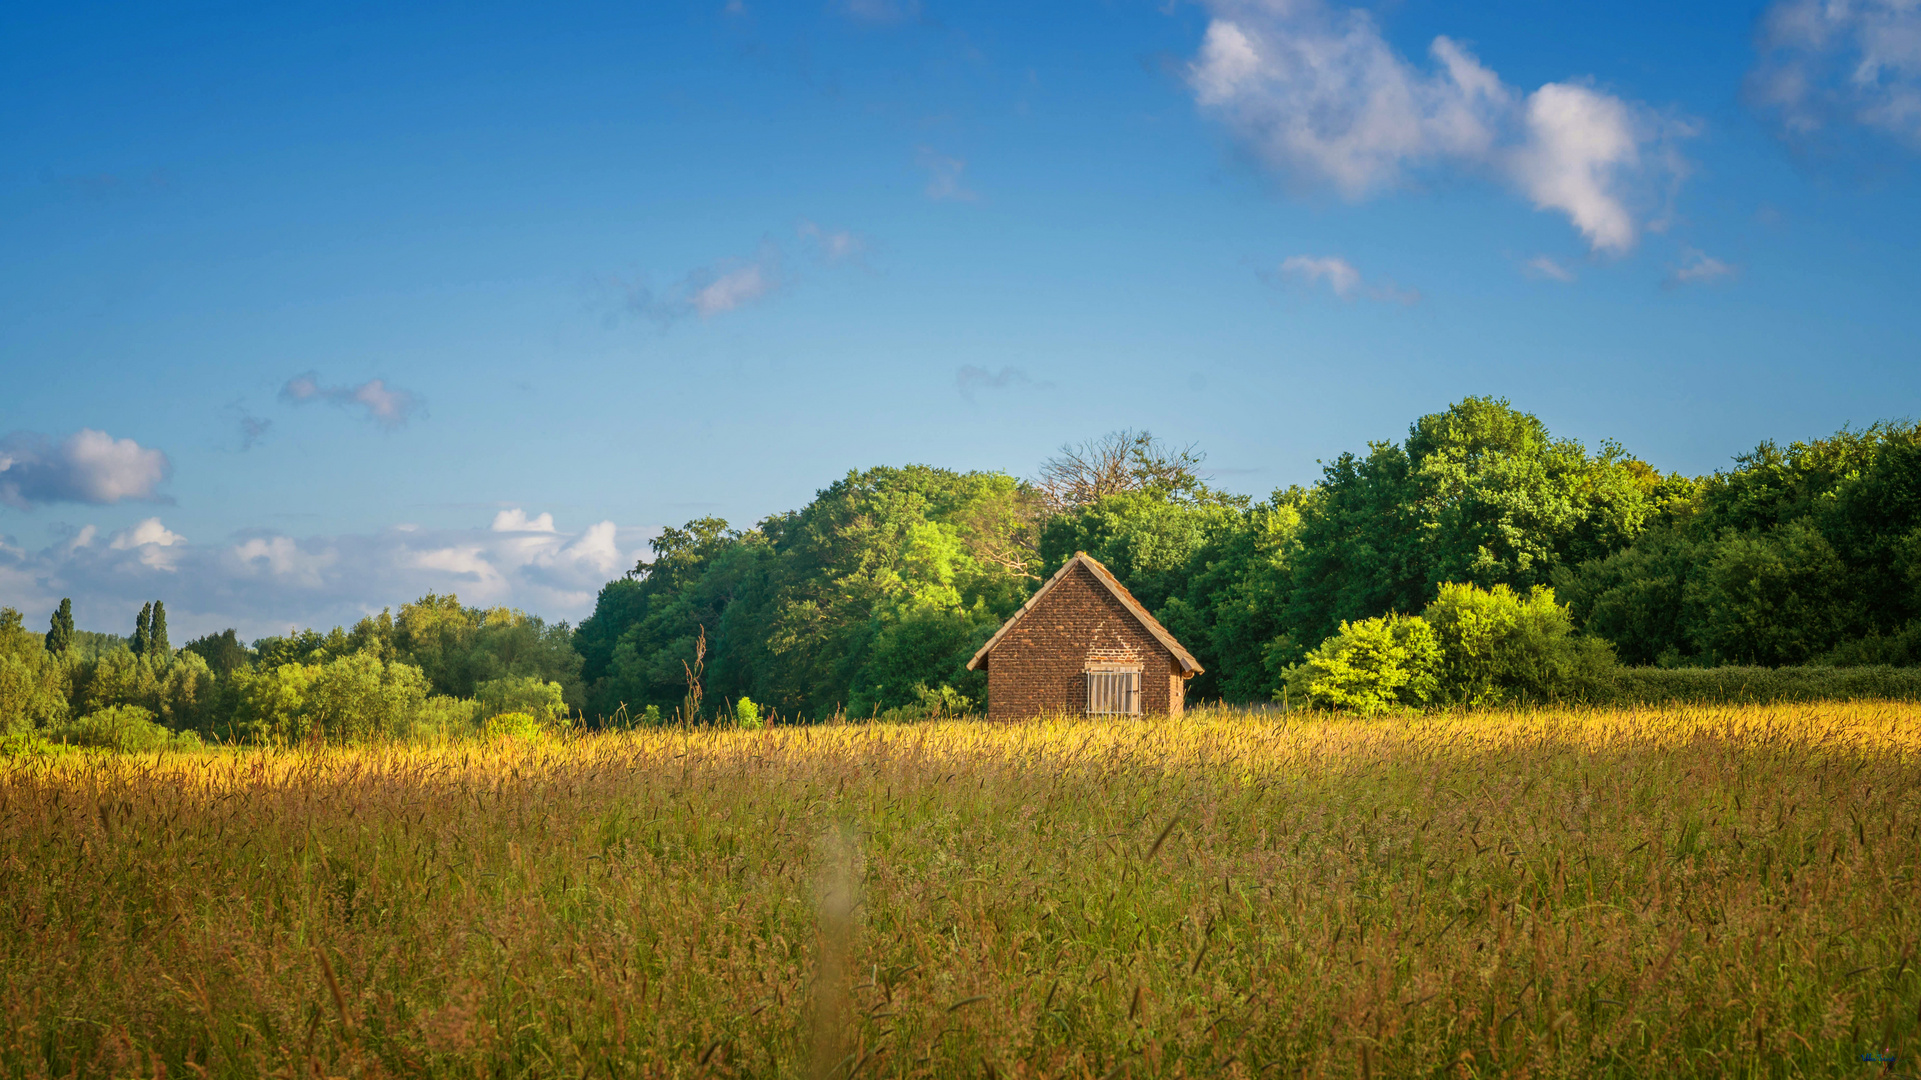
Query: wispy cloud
[714, 289]
[1318, 95]
[1341, 277]
[1543, 267]
[86, 467]
[263, 581]
[388, 406]
[1824, 63]
[944, 179]
[971, 379]
[1698, 268]
[832, 246]
[880, 11]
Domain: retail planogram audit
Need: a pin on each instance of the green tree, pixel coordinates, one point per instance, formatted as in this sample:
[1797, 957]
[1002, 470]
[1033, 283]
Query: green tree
[142, 635]
[34, 683]
[157, 633]
[1497, 645]
[1779, 597]
[1480, 493]
[60, 628]
[223, 652]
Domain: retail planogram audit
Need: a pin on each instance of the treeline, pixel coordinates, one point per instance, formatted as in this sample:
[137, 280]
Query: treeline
[436, 669]
[1479, 559]
[870, 599]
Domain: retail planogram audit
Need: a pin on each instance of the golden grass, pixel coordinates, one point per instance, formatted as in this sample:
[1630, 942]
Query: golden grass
[1663, 892]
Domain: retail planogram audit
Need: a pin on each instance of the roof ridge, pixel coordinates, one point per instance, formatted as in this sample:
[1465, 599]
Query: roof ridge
[1189, 665]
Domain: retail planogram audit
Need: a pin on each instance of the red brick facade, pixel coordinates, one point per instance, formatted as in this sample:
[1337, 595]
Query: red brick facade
[1039, 661]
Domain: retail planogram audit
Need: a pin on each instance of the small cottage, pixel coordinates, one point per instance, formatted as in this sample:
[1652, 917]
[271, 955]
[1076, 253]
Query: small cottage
[1083, 644]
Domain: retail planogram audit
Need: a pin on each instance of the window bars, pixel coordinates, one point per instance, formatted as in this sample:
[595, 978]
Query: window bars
[1113, 689]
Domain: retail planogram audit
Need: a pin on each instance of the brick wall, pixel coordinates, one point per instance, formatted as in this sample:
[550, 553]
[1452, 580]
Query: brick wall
[1040, 666]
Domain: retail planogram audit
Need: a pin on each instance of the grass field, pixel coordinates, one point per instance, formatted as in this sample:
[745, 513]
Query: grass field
[1680, 892]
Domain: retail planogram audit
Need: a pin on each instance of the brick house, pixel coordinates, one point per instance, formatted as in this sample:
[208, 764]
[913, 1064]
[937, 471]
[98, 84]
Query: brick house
[1083, 644]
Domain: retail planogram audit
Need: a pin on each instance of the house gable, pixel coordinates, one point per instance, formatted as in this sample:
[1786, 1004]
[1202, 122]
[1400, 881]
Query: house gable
[1182, 659]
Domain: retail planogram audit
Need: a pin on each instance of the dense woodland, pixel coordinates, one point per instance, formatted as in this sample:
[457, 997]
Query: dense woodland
[1479, 559]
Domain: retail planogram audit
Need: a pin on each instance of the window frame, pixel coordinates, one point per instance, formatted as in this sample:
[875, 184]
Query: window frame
[1113, 690]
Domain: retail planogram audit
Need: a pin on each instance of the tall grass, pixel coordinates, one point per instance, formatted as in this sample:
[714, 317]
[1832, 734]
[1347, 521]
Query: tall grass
[1671, 892]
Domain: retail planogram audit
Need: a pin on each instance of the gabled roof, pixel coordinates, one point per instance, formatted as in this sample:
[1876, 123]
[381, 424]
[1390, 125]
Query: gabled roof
[1189, 665]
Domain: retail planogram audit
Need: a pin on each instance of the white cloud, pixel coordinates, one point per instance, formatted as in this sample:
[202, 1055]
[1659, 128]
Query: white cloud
[1825, 62]
[706, 291]
[731, 289]
[388, 406]
[1579, 144]
[1319, 96]
[265, 582]
[86, 467]
[1699, 268]
[944, 181]
[1341, 276]
[830, 245]
[150, 541]
[516, 520]
[1543, 266]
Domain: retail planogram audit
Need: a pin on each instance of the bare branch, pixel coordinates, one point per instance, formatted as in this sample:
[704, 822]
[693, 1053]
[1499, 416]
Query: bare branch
[1120, 461]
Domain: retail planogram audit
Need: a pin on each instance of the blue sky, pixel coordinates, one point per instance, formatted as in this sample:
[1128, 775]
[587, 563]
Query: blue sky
[306, 311]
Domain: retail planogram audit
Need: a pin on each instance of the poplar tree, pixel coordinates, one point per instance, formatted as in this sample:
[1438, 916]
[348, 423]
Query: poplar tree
[157, 632]
[60, 631]
[142, 636]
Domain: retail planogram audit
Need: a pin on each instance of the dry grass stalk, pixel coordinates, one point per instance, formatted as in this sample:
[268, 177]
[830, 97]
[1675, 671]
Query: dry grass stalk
[1684, 892]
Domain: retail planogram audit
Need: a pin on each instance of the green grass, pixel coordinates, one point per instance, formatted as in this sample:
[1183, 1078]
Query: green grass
[1669, 892]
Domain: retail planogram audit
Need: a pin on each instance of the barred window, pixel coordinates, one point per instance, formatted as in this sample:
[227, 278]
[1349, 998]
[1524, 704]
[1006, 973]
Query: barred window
[1113, 689]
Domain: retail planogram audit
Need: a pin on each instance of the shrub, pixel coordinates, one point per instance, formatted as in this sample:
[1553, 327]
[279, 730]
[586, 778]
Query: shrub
[522, 694]
[126, 728]
[1497, 645]
[441, 717]
[747, 714]
[930, 703]
[1371, 666]
[1760, 685]
[513, 725]
[350, 699]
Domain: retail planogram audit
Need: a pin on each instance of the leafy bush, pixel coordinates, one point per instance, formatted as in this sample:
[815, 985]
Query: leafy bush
[25, 744]
[513, 725]
[1472, 646]
[522, 694]
[350, 699]
[1739, 685]
[442, 717]
[1370, 666]
[747, 714]
[930, 703]
[1498, 645]
[125, 728]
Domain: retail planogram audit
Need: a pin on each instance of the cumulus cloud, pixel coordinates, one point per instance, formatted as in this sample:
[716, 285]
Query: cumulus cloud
[86, 467]
[1698, 268]
[388, 406]
[262, 582]
[1317, 95]
[1829, 62]
[1341, 276]
[944, 181]
[150, 542]
[971, 378]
